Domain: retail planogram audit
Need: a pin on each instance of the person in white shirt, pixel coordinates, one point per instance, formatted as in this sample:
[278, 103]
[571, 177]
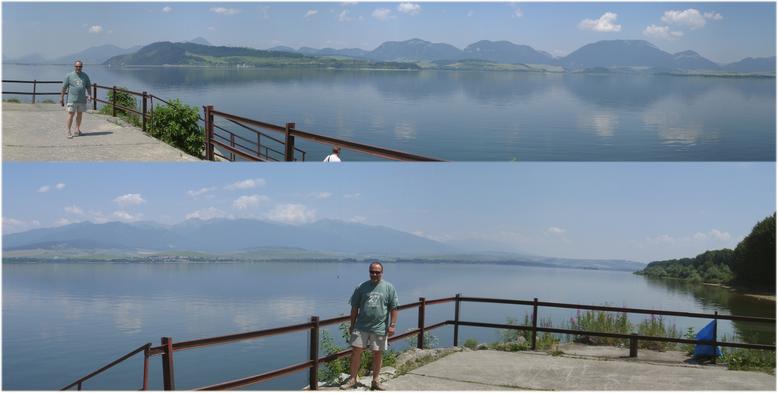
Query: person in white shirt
[335, 156]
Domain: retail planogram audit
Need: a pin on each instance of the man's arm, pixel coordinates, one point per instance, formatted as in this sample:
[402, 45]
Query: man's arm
[354, 312]
[62, 92]
[392, 322]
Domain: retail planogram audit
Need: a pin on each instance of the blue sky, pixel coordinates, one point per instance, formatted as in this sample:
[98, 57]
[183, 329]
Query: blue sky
[637, 211]
[723, 32]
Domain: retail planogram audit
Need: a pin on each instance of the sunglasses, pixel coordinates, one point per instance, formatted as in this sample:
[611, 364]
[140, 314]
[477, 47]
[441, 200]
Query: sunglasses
[375, 272]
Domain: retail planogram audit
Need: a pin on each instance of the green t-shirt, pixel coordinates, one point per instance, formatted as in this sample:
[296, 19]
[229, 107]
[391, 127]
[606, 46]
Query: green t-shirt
[374, 302]
[76, 84]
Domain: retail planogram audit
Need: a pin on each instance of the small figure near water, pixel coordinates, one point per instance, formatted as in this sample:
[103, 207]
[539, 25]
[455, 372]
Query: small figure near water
[373, 302]
[76, 84]
[335, 156]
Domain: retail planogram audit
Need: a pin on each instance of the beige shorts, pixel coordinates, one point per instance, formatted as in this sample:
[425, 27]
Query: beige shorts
[76, 107]
[368, 340]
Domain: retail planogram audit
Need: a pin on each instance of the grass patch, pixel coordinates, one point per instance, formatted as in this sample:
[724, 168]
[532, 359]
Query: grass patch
[12, 100]
[749, 360]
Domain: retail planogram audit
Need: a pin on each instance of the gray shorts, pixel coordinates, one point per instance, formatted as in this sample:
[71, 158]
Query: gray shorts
[76, 107]
[368, 340]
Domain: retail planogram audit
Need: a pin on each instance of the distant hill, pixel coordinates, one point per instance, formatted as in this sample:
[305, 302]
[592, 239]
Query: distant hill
[753, 65]
[618, 53]
[200, 40]
[507, 52]
[691, 60]
[414, 50]
[94, 55]
[258, 240]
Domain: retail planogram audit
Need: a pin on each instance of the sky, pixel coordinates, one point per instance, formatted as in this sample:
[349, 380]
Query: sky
[635, 211]
[722, 32]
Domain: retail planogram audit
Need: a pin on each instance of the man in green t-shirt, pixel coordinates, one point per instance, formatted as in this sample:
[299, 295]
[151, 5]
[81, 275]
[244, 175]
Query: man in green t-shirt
[373, 319]
[77, 85]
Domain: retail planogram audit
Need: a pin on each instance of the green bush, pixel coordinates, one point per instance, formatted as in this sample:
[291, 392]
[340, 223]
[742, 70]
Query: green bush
[178, 125]
[330, 371]
[123, 100]
[600, 321]
[471, 343]
[13, 100]
[655, 326]
[543, 340]
[750, 359]
[430, 341]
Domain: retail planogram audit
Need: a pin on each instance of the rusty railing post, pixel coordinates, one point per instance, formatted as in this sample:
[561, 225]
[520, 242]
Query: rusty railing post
[534, 323]
[94, 96]
[146, 368]
[289, 143]
[145, 103]
[208, 132]
[313, 375]
[232, 145]
[420, 340]
[79, 386]
[113, 101]
[633, 345]
[34, 89]
[715, 333]
[168, 378]
[456, 318]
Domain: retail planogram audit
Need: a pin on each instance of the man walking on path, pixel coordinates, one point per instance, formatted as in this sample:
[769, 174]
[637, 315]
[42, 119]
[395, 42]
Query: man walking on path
[372, 303]
[77, 85]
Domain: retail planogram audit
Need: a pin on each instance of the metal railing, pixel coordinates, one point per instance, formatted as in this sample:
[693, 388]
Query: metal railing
[168, 347]
[143, 348]
[289, 133]
[34, 92]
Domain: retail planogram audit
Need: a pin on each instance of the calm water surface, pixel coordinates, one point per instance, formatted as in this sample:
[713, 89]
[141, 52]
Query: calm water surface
[480, 116]
[63, 320]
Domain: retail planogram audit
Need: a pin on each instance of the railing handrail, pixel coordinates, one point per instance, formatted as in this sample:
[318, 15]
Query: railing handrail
[81, 380]
[168, 348]
[32, 81]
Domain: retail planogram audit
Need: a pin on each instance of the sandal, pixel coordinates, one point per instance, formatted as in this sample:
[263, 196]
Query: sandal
[349, 385]
[70, 136]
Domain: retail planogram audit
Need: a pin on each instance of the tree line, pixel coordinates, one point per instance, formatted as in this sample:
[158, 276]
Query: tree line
[750, 264]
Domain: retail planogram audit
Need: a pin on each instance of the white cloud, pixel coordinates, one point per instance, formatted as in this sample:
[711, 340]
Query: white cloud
[662, 32]
[60, 186]
[167, 9]
[719, 235]
[556, 231]
[200, 192]
[44, 189]
[517, 13]
[310, 13]
[14, 225]
[355, 195]
[661, 239]
[62, 222]
[382, 13]
[690, 18]
[409, 8]
[605, 24]
[713, 16]
[358, 219]
[246, 184]
[321, 195]
[211, 28]
[129, 199]
[206, 214]
[247, 201]
[73, 210]
[225, 11]
[123, 215]
[96, 29]
[292, 214]
[343, 16]
[699, 236]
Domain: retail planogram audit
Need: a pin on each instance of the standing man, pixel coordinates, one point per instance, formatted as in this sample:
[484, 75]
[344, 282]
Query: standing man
[335, 156]
[373, 319]
[77, 85]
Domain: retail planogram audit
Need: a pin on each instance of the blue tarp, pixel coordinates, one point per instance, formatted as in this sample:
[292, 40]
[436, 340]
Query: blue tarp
[706, 333]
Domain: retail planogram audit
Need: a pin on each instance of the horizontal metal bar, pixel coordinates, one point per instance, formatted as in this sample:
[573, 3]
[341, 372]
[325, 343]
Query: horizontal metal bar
[364, 148]
[158, 98]
[251, 129]
[107, 366]
[121, 90]
[334, 320]
[404, 335]
[616, 335]
[658, 312]
[259, 378]
[128, 109]
[17, 81]
[407, 306]
[499, 301]
[335, 355]
[236, 151]
[440, 301]
[249, 121]
[30, 94]
[181, 345]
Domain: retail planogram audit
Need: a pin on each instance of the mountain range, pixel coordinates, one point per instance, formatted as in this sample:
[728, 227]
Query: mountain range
[598, 55]
[260, 240]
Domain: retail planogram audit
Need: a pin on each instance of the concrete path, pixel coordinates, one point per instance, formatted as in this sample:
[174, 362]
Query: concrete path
[37, 132]
[495, 370]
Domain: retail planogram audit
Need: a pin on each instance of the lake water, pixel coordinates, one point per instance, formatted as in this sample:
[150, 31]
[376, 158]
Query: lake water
[63, 320]
[479, 116]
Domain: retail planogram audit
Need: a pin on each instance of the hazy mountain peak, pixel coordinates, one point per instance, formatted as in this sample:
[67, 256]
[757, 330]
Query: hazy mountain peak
[200, 40]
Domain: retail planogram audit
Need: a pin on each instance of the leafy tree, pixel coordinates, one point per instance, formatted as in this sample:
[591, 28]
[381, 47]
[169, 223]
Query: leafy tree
[755, 256]
[178, 125]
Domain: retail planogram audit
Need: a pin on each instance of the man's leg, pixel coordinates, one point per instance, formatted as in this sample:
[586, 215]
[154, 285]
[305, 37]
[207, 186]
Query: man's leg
[356, 359]
[78, 122]
[70, 121]
[377, 359]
